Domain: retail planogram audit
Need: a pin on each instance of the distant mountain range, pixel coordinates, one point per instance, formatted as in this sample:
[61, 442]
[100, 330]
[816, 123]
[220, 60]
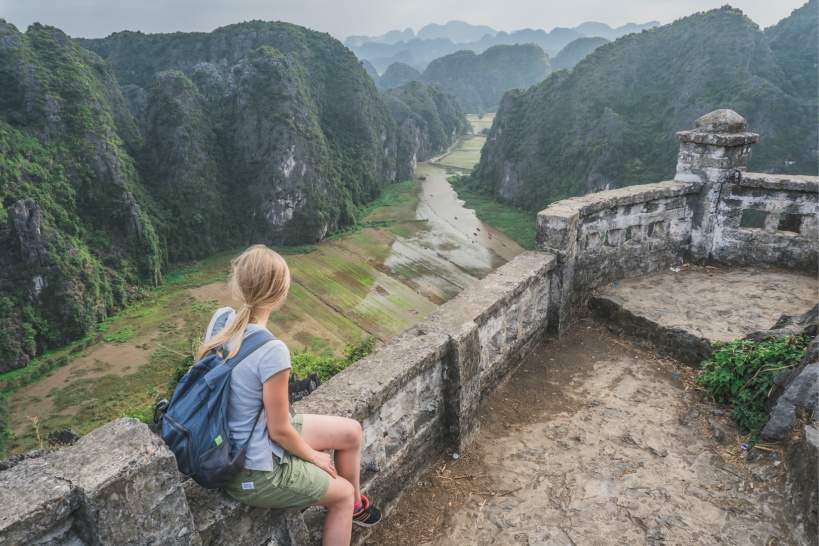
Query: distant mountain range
[611, 121]
[434, 41]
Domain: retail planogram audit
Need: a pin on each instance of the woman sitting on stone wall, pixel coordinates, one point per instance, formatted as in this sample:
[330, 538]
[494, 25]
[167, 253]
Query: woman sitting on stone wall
[285, 465]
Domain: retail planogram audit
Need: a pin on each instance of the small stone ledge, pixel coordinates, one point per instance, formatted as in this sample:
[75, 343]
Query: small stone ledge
[726, 140]
[673, 342]
[360, 390]
[36, 505]
[484, 299]
[805, 184]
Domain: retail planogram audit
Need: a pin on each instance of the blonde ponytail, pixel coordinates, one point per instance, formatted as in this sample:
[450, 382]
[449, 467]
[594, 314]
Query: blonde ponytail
[259, 278]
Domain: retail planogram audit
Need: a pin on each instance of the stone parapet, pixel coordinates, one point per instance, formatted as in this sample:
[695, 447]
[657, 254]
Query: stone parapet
[117, 485]
[611, 235]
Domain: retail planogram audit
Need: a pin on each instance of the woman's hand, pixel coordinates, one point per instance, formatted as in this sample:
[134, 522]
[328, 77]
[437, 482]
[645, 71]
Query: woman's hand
[325, 462]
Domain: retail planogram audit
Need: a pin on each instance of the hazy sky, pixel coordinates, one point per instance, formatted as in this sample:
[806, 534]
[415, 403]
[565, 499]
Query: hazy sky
[341, 18]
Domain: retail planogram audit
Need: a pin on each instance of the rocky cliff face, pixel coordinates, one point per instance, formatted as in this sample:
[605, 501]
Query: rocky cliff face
[259, 132]
[429, 120]
[303, 137]
[611, 121]
[75, 231]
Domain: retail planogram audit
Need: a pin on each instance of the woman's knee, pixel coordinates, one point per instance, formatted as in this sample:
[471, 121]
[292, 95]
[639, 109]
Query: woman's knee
[340, 493]
[354, 432]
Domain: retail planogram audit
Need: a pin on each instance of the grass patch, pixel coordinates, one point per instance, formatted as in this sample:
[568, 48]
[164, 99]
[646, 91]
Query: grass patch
[517, 224]
[464, 155]
[120, 336]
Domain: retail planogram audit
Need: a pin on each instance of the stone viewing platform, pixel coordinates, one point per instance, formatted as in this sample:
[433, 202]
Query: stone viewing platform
[681, 311]
[566, 434]
[596, 441]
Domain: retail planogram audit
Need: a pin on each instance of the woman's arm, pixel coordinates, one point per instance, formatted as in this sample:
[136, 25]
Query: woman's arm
[277, 410]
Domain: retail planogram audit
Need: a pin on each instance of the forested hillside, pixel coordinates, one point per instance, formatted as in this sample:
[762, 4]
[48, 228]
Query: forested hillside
[162, 148]
[479, 81]
[576, 51]
[612, 120]
[74, 234]
[429, 119]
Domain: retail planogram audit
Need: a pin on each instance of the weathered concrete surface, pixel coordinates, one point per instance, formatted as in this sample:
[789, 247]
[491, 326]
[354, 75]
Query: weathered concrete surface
[595, 442]
[217, 516]
[680, 314]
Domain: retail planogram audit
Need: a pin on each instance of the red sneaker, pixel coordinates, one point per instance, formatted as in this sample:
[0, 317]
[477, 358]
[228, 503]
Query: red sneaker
[367, 515]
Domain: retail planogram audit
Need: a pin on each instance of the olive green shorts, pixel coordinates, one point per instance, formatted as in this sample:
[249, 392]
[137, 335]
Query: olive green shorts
[293, 483]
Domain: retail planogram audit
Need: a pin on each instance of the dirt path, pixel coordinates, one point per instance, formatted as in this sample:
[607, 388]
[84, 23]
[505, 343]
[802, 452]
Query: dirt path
[594, 441]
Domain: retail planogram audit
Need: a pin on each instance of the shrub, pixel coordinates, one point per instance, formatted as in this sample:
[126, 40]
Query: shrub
[742, 373]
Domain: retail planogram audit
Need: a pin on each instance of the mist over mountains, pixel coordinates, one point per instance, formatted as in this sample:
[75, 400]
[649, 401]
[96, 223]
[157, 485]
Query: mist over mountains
[434, 41]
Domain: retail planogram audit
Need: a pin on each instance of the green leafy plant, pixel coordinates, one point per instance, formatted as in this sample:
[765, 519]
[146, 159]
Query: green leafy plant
[742, 373]
[327, 365]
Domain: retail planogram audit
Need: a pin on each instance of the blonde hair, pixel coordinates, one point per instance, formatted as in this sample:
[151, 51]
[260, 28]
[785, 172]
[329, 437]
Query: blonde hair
[259, 278]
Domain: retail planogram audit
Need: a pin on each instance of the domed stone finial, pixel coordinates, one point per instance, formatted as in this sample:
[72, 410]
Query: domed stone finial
[721, 121]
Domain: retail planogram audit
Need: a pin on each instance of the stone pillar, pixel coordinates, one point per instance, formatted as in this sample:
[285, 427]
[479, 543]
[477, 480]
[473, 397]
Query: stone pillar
[715, 151]
[557, 234]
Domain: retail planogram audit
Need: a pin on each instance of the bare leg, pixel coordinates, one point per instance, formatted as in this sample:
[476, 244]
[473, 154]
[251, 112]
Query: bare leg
[338, 525]
[341, 435]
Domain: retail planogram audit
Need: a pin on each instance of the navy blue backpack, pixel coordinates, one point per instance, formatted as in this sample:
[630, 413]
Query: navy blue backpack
[195, 423]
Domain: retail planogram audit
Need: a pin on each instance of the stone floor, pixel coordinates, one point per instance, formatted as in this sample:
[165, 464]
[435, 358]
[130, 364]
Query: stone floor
[715, 303]
[596, 441]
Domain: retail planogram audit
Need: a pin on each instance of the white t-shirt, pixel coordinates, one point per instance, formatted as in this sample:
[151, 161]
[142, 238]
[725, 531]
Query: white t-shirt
[245, 398]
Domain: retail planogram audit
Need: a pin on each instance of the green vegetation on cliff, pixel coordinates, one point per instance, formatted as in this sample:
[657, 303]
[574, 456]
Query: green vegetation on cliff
[612, 120]
[257, 132]
[76, 236]
[429, 119]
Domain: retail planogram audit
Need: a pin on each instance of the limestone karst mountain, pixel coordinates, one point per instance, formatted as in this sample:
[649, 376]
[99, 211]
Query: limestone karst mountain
[576, 51]
[429, 119]
[612, 120]
[135, 151]
[399, 74]
[478, 81]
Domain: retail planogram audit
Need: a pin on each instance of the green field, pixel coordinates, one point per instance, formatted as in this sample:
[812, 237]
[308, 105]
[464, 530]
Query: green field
[464, 155]
[518, 225]
[480, 122]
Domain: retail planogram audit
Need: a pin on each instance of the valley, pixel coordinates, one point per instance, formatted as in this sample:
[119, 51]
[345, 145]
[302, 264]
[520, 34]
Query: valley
[419, 247]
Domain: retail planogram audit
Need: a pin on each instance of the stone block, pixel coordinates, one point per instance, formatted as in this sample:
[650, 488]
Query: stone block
[38, 508]
[220, 519]
[128, 484]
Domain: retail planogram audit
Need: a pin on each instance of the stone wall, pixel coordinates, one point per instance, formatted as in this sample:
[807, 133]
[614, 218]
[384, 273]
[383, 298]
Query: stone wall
[768, 219]
[419, 395]
[610, 235]
[713, 211]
